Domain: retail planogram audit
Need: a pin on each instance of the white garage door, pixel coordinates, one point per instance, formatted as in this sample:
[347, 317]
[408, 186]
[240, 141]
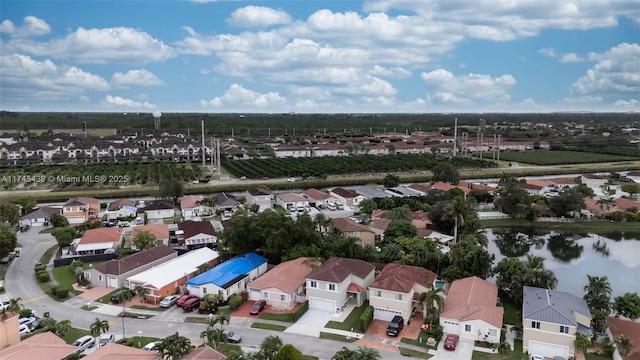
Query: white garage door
[450, 327]
[322, 304]
[384, 314]
[548, 350]
[75, 219]
[113, 282]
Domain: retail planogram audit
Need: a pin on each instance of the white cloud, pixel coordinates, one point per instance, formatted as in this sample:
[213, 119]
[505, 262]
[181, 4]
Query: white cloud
[570, 58]
[582, 99]
[32, 26]
[258, 16]
[238, 95]
[463, 89]
[99, 46]
[127, 103]
[615, 72]
[24, 78]
[140, 77]
[548, 52]
[631, 103]
[396, 72]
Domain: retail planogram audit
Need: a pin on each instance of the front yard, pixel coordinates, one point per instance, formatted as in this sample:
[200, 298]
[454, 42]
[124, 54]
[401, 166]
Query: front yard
[352, 322]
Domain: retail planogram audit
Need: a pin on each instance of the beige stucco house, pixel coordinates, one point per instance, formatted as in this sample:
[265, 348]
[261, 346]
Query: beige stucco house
[283, 286]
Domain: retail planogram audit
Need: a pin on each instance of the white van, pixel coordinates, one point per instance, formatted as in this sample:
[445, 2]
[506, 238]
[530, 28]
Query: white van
[331, 206]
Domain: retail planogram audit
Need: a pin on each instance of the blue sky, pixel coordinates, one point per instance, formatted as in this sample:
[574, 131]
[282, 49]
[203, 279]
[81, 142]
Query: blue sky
[320, 56]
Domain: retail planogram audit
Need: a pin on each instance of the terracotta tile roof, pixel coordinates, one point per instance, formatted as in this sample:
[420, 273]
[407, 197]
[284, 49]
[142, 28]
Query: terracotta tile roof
[563, 181]
[419, 187]
[118, 204]
[421, 215]
[378, 214]
[81, 200]
[402, 278]
[337, 269]
[347, 194]
[190, 201]
[379, 224]
[123, 266]
[100, 235]
[314, 194]
[355, 288]
[204, 353]
[538, 183]
[286, 276]
[192, 228]
[446, 187]
[113, 351]
[424, 232]
[347, 225]
[290, 197]
[472, 298]
[628, 329]
[45, 346]
[624, 204]
[474, 186]
[160, 231]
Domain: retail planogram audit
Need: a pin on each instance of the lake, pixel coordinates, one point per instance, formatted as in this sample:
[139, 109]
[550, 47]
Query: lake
[574, 256]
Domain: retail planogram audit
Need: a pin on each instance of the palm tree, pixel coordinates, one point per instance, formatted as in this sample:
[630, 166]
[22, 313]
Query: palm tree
[207, 334]
[366, 353]
[582, 342]
[141, 292]
[344, 354]
[536, 275]
[124, 296]
[312, 262]
[49, 324]
[321, 221]
[478, 238]
[392, 251]
[98, 327]
[350, 247]
[63, 327]
[174, 346]
[220, 319]
[369, 252]
[598, 293]
[456, 210]
[503, 348]
[270, 346]
[210, 202]
[15, 306]
[219, 336]
[434, 302]
[624, 345]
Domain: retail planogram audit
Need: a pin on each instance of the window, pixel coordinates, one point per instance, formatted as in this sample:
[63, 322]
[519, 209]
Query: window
[283, 297]
[399, 297]
[87, 276]
[377, 293]
[492, 332]
[535, 324]
[564, 329]
[332, 287]
[99, 277]
[204, 290]
[313, 284]
[265, 294]
[467, 328]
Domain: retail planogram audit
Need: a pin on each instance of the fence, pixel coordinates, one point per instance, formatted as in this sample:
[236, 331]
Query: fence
[85, 258]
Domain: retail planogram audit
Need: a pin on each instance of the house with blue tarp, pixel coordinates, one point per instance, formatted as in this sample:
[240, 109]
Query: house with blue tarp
[230, 277]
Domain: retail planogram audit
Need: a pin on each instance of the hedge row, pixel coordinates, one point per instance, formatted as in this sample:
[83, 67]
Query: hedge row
[60, 292]
[301, 310]
[366, 318]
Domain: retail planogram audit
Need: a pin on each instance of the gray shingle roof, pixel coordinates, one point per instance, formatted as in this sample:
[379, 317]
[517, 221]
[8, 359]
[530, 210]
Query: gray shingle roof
[552, 306]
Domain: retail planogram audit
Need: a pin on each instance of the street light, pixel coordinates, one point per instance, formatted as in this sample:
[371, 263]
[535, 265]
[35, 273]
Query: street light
[139, 335]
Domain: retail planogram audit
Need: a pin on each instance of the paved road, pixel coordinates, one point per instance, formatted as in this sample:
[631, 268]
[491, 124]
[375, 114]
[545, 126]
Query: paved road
[20, 282]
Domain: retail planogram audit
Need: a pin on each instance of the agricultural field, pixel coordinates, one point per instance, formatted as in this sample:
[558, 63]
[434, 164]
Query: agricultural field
[323, 166]
[546, 157]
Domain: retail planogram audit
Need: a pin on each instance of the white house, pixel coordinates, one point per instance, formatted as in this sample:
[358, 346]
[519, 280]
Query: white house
[292, 202]
[283, 286]
[40, 217]
[159, 209]
[261, 197]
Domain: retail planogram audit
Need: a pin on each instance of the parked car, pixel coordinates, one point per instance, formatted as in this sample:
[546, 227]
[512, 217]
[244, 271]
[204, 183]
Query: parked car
[450, 342]
[151, 347]
[191, 304]
[6, 259]
[169, 301]
[339, 206]
[4, 305]
[115, 297]
[24, 228]
[537, 357]
[37, 324]
[184, 299]
[84, 343]
[26, 321]
[106, 338]
[24, 329]
[233, 337]
[395, 326]
[257, 307]
[331, 206]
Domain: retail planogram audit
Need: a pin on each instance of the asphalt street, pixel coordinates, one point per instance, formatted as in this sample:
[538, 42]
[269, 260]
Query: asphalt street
[20, 282]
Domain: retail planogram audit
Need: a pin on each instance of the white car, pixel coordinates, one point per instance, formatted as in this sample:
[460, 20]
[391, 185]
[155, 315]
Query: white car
[4, 305]
[84, 343]
[291, 179]
[232, 337]
[24, 329]
[105, 339]
[26, 321]
[150, 347]
[169, 301]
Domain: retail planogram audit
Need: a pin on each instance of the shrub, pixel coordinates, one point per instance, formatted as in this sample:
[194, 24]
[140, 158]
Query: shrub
[53, 289]
[303, 309]
[25, 312]
[39, 268]
[1, 289]
[235, 301]
[366, 318]
[62, 292]
[435, 331]
[43, 276]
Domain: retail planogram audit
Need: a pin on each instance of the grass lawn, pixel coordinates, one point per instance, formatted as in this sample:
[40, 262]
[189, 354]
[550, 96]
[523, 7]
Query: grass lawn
[142, 307]
[46, 257]
[65, 277]
[277, 317]
[328, 336]
[589, 356]
[74, 334]
[88, 307]
[414, 353]
[258, 325]
[107, 298]
[228, 348]
[46, 231]
[3, 270]
[512, 312]
[417, 342]
[352, 322]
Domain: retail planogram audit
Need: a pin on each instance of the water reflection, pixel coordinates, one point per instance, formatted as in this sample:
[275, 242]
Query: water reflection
[564, 247]
[516, 243]
[600, 246]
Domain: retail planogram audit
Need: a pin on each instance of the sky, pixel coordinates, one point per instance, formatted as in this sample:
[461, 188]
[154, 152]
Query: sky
[332, 56]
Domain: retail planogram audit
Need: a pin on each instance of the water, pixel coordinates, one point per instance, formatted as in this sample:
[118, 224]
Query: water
[574, 256]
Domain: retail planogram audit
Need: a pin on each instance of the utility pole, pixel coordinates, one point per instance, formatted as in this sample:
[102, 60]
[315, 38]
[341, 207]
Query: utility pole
[455, 137]
[494, 147]
[204, 152]
[499, 147]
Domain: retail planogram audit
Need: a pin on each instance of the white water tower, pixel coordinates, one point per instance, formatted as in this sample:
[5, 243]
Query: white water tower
[156, 119]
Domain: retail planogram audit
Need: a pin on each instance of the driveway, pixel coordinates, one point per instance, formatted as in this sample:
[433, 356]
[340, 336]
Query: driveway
[463, 351]
[311, 323]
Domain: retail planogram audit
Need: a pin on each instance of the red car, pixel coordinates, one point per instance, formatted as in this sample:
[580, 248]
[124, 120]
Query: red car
[257, 307]
[184, 299]
[450, 342]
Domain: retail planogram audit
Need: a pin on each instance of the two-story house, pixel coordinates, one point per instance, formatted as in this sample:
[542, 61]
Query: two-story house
[196, 234]
[80, 209]
[331, 285]
[397, 289]
[261, 197]
[348, 227]
[347, 197]
[121, 208]
[159, 209]
[283, 286]
[550, 321]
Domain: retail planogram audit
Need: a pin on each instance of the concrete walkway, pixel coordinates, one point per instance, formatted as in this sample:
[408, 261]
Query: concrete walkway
[510, 336]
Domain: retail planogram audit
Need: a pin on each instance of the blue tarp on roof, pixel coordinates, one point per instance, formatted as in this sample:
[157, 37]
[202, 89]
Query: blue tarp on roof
[229, 270]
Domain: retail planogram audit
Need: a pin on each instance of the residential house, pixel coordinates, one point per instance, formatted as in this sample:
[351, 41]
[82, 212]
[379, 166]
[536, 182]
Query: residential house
[9, 329]
[379, 226]
[99, 241]
[230, 277]
[121, 208]
[43, 346]
[317, 197]
[115, 351]
[80, 209]
[40, 217]
[403, 191]
[348, 227]
[550, 321]
[112, 273]
[623, 204]
[536, 186]
[159, 209]
[442, 186]
[171, 276]
[196, 234]
[203, 353]
[396, 291]
[283, 286]
[226, 202]
[159, 231]
[347, 197]
[563, 183]
[191, 206]
[372, 193]
[628, 329]
[470, 310]
[331, 285]
[476, 186]
[421, 220]
[420, 188]
[292, 202]
[261, 197]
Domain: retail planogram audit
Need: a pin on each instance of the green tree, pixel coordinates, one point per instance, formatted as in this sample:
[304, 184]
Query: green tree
[627, 305]
[503, 348]
[468, 260]
[391, 252]
[64, 235]
[446, 172]
[63, 327]
[123, 297]
[209, 335]
[632, 189]
[270, 346]
[57, 220]
[367, 206]
[8, 242]
[27, 203]
[171, 188]
[624, 345]
[98, 327]
[514, 200]
[567, 202]
[478, 238]
[582, 342]
[434, 302]
[367, 353]
[398, 213]
[219, 336]
[391, 180]
[345, 354]
[510, 274]
[141, 291]
[144, 240]
[398, 229]
[456, 210]
[9, 213]
[598, 293]
[387, 203]
[536, 275]
[288, 352]
[585, 190]
[174, 346]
